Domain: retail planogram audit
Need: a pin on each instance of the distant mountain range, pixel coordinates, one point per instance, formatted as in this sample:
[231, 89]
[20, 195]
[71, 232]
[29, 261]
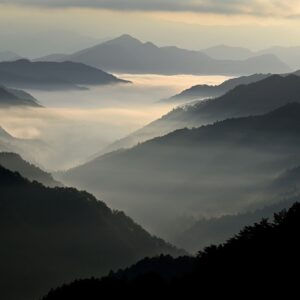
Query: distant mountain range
[54, 235]
[185, 172]
[12, 97]
[126, 54]
[52, 75]
[15, 163]
[289, 55]
[202, 91]
[229, 52]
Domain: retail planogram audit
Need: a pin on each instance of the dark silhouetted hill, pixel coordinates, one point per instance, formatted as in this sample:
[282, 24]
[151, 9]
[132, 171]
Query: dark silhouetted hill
[126, 54]
[260, 260]
[208, 171]
[52, 75]
[54, 235]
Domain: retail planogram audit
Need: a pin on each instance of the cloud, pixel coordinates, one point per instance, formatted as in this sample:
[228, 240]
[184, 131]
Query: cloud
[226, 7]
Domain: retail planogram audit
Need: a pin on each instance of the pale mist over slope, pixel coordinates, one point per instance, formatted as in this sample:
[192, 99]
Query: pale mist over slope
[77, 124]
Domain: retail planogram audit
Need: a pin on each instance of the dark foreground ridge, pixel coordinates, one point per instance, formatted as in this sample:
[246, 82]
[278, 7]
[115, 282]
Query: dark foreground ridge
[54, 235]
[261, 260]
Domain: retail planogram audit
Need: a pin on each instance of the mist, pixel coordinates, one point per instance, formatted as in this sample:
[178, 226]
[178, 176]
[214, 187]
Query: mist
[75, 125]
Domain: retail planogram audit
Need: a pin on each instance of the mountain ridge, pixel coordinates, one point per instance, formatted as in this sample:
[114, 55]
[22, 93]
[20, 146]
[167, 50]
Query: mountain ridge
[254, 98]
[262, 254]
[12, 97]
[231, 157]
[24, 73]
[126, 54]
[56, 235]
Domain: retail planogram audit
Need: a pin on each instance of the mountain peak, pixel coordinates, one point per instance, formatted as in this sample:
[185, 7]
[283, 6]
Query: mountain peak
[124, 39]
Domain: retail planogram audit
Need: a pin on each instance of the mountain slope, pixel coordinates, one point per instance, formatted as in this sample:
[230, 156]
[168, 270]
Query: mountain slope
[262, 259]
[289, 55]
[255, 98]
[12, 97]
[52, 57]
[208, 171]
[205, 232]
[52, 75]
[15, 163]
[285, 184]
[210, 91]
[228, 52]
[126, 54]
[55, 235]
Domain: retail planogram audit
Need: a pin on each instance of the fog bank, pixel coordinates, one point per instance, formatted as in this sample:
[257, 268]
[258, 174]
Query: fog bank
[77, 124]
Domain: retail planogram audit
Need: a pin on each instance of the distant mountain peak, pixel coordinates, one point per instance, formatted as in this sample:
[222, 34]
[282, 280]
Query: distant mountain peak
[124, 39]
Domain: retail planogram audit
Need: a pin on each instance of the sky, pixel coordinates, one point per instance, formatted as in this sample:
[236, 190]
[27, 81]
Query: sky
[38, 27]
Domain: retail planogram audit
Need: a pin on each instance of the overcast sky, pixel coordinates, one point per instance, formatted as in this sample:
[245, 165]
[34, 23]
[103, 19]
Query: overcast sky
[38, 27]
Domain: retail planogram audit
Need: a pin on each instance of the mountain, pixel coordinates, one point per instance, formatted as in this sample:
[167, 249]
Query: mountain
[201, 91]
[244, 100]
[260, 259]
[54, 235]
[126, 54]
[285, 184]
[9, 56]
[52, 75]
[201, 172]
[15, 163]
[289, 55]
[13, 97]
[52, 57]
[222, 52]
[4, 136]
